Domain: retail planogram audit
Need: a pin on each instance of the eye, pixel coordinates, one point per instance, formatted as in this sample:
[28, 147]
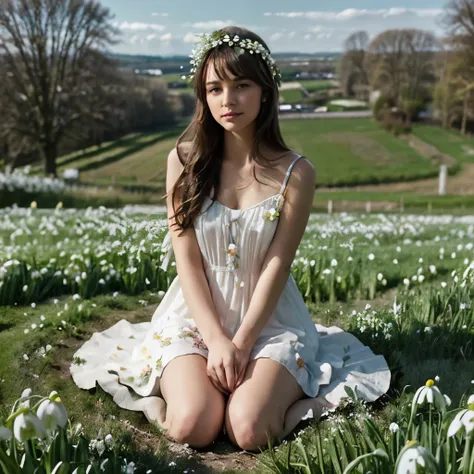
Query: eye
[244, 85]
[213, 89]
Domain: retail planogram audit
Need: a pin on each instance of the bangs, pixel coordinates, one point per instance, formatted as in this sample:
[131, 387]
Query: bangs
[226, 61]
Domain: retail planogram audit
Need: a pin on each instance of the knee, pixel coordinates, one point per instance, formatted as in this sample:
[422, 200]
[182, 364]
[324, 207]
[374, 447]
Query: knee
[194, 428]
[249, 431]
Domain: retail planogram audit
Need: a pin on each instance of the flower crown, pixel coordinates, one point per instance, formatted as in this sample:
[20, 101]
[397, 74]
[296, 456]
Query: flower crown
[211, 40]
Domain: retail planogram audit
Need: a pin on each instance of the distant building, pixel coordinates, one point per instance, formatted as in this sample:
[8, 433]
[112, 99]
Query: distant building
[149, 72]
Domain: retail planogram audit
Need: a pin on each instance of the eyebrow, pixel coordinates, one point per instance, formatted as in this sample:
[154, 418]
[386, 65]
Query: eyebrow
[238, 78]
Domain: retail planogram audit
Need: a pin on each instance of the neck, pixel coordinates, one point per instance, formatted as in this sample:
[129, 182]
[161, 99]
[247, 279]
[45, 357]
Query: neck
[238, 146]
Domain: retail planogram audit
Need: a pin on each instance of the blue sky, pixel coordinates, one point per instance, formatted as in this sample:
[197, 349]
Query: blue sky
[164, 27]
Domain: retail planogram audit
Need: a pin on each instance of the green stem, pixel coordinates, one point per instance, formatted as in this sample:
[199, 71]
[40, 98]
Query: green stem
[430, 436]
[465, 458]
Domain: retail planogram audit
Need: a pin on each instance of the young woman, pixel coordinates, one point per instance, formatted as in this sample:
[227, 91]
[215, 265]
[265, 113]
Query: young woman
[232, 345]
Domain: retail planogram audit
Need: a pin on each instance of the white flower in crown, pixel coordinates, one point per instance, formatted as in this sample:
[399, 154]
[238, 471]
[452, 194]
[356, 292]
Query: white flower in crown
[217, 38]
[271, 214]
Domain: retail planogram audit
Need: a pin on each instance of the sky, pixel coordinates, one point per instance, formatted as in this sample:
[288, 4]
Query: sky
[168, 27]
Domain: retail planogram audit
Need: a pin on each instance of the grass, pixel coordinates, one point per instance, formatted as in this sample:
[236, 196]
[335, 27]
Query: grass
[315, 85]
[291, 96]
[343, 151]
[350, 151]
[449, 142]
[413, 356]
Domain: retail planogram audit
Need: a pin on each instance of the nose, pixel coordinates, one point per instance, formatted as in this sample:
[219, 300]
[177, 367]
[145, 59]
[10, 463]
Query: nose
[228, 97]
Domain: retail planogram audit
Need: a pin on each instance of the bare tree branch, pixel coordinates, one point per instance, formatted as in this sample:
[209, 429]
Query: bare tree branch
[47, 47]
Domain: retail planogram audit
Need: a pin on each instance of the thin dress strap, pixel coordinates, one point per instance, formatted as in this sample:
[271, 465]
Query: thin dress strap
[288, 173]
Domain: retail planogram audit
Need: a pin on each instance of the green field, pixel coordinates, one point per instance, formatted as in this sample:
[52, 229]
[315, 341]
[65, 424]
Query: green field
[343, 151]
[291, 96]
[317, 85]
[449, 142]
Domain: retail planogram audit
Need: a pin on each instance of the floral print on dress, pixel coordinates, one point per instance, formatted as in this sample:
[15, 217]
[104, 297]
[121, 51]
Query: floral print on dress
[145, 375]
[193, 333]
[159, 364]
[164, 341]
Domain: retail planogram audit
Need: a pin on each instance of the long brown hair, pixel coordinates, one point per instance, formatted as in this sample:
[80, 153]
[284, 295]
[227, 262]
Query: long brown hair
[200, 147]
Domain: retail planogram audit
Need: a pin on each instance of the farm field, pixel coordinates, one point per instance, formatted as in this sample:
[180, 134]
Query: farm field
[449, 142]
[403, 284]
[343, 151]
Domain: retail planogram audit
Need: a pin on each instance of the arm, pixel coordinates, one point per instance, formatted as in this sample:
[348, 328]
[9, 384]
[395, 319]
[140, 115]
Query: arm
[276, 266]
[189, 264]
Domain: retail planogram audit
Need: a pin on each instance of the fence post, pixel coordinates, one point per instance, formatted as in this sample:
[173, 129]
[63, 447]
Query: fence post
[443, 171]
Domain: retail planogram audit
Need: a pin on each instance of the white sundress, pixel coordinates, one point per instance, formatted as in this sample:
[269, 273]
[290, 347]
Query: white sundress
[127, 359]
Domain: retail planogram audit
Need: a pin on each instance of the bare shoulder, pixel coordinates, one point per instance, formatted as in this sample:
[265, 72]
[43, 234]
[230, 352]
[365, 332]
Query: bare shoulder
[302, 181]
[303, 170]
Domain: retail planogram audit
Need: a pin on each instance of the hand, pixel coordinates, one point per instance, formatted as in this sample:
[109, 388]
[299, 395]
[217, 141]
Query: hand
[241, 362]
[221, 364]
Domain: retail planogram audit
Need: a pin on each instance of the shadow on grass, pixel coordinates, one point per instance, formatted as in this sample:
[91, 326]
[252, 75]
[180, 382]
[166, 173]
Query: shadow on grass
[128, 140]
[128, 152]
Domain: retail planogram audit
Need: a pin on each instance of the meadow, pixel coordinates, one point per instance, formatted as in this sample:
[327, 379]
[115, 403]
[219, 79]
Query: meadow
[403, 284]
[360, 150]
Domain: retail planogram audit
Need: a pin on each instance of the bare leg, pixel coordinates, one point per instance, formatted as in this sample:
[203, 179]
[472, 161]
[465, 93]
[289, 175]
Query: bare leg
[299, 409]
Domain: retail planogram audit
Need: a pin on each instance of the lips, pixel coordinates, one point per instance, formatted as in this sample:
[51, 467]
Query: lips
[232, 114]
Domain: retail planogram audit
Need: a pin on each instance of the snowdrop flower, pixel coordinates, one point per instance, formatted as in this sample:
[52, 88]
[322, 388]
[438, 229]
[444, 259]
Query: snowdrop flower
[27, 426]
[464, 419]
[109, 441]
[393, 427]
[371, 256]
[333, 262]
[414, 456]
[52, 412]
[432, 395]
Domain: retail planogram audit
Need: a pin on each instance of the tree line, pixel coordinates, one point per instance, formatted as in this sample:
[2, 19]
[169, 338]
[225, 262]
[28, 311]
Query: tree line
[60, 90]
[411, 68]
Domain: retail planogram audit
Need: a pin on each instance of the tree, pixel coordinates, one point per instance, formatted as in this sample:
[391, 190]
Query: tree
[53, 64]
[402, 65]
[354, 73]
[459, 20]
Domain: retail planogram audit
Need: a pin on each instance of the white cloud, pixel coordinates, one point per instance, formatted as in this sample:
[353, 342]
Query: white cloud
[159, 14]
[276, 36]
[351, 13]
[190, 38]
[137, 26]
[155, 36]
[209, 25]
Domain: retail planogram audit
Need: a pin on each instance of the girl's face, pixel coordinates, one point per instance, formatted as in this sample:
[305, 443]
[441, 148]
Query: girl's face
[234, 95]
